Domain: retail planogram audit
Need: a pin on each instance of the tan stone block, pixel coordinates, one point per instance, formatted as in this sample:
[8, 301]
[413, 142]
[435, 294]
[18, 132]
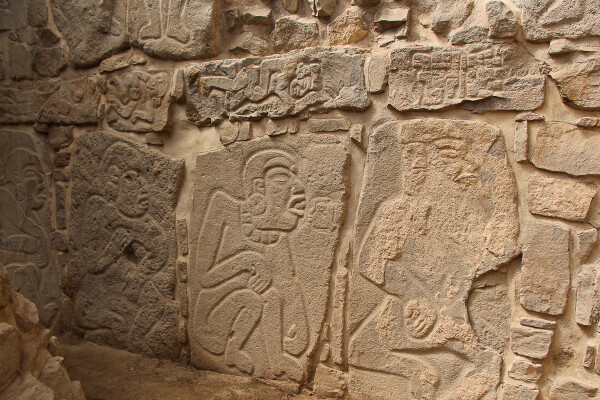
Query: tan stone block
[10, 354]
[530, 342]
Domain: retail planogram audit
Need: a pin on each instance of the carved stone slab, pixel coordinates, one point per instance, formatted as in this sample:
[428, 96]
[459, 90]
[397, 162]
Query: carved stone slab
[494, 77]
[138, 101]
[93, 29]
[264, 231]
[20, 103]
[174, 29]
[300, 82]
[74, 102]
[561, 198]
[572, 19]
[25, 235]
[122, 244]
[562, 147]
[437, 209]
[577, 84]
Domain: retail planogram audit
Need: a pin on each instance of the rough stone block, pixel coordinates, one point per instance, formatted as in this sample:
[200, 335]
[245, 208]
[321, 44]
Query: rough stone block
[587, 306]
[530, 342]
[26, 387]
[74, 102]
[502, 21]
[389, 18]
[573, 82]
[292, 33]
[518, 392]
[328, 124]
[347, 28]
[525, 370]
[257, 15]
[10, 354]
[572, 389]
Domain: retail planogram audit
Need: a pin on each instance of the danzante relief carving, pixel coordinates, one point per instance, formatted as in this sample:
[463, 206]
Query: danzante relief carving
[363, 199]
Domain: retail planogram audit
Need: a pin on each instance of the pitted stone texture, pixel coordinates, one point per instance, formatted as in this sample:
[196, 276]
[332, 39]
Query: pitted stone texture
[545, 274]
[490, 77]
[122, 244]
[561, 198]
[530, 342]
[449, 15]
[20, 103]
[25, 244]
[573, 82]
[562, 147]
[572, 19]
[510, 391]
[525, 370]
[263, 236]
[301, 82]
[573, 389]
[292, 33]
[138, 101]
[94, 30]
[437, 205]
[347, 28]
[74, 102]
[174, 29]
[502, 21]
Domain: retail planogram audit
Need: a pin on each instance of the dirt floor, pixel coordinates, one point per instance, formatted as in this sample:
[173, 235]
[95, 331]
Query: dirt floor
[111, 374]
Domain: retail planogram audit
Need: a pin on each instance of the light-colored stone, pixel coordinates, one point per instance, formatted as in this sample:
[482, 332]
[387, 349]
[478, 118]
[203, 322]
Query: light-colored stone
[121, 61]
[329, 383]
[257, 15]
[530, 342]
[545, 274]
[525, 370]
[426, 214]
[182, 236]
[573, 82]
[562, 147]
[501, 19]
[294, 33]
[322, 8]
[347, 28]
[573, 389]
[26, 314]
[338, 319]
[560, 198]
[356, 132]
[247, 42]
[584, 242]
[588, 356]
[559, 47]
[54, 375]
[529, 116]
[521, 141]
[265, 227]
[122, 244]
[469, 35]
[329, 124]
[518, 392]
[450, 14]
[588, 122]
[587, 307]
[10, 354]
[432, 78]
[279, 127]
[377, 67]
[175, 29]
[390, 18]
[537, 323]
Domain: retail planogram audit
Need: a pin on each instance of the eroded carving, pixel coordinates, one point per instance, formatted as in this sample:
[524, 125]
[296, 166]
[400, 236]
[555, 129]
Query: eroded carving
[263, 237]
[437, 210]
[277, 86]
[122, 237]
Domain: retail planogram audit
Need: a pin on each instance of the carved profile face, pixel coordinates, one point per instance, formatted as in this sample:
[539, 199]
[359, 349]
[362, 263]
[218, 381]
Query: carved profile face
[132, 196]
[24, 170]
[451, 156]
[134, 90]
[414, 158]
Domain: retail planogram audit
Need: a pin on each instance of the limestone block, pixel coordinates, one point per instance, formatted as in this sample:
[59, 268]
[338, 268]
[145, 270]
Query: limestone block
[583, 244]
[26, 387]
[247, 42]
[265, 227]
[356, 132]
[469, 35]
[280, 127]
[294, 33]
[389, 18]
[309, 81]
[182, 236]
[74, 102]
[25, 243]
[521, 141]
[570, 19]
[322, 8]
[450, 14]
[329, 124]
[545, 274]
[587, 306]
[338, 319]
[501, 19]
[121, 61]
[437, 205]
[138, 101]
[122, 244]
[20, 103]
[93, 30]
[347, 28]
[182, 271]
[525, 370]
[537, 323]
[432, 78]
[377, 68]
[257, 15]
[34, 353]
[329, 383]
[10, 354]
[529, 116]
[573, 82]
[179, 30]
[588, 122]
[530, 342]
[562, 147]
[518, 392]
[560, 198]
[588, 356]
[572, 389]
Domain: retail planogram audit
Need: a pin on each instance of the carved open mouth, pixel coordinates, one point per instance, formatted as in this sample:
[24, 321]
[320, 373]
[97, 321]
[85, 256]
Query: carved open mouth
[297, 205]
[144, 201]
[466, 178]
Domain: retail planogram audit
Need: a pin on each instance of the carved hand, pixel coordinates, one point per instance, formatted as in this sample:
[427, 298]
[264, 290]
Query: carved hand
[261, 274]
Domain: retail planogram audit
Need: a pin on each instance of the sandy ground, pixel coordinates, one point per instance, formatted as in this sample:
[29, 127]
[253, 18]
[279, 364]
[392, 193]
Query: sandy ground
[111, 374]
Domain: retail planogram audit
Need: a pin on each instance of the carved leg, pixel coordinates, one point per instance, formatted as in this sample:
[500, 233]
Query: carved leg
[242, 329]
[295, 325]
[175, 28]
[152, 29]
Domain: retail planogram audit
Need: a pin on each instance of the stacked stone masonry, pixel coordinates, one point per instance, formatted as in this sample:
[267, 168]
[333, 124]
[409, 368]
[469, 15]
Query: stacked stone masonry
[359, 199]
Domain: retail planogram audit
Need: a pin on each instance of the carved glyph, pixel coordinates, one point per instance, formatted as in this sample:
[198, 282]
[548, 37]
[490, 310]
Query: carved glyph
[264, 231]
[122, 237]
[437, 210]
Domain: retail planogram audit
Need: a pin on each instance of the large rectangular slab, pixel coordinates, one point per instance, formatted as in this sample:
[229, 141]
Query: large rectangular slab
[21, 102]
[492, 77]
[122, 245]
[561, 198]
[301, 82]
[437, 210]
[264, 231]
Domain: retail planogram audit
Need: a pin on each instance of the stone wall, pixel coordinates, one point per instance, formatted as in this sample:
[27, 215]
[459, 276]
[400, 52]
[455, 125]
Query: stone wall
[370, 199]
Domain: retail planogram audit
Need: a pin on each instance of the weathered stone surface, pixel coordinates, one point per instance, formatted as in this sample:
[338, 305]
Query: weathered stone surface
[537, 323]
[10, 354]
[257, 15]
[247, 42]
[525, 370]
[573, 83]
[529, 116]
[329, 383]
[588, 122]
[518, 392]
[122, 244]
[450, 14]
[26, 315]
[561, 198]
[25, 245]
[55, 376]
[562, 147]
[182, 236]
[572, 389]
[322, 8]
[93, 30]
[356, 132]
[74, 102]
[347, 28]
[545, 276]
[545, 20]
[584, 242]
[122, 61]
[26, 387]
[14, 15]
[174, 29]
[19, 62]
[490, 77]
[294, 33]
[280, 127]
[338, 319]
[588, 356]
[564, 46]
[501, 19]
[49, 61]
[20, 103]
[521, 141]
[328, 124]
[264, 233]
[377, 68]
[530, 342]
[306, 81]
[60, 136]
[138, 101]
[365, 3]
[389, 18]
[469, 35]
[437, 205]
[587, 308]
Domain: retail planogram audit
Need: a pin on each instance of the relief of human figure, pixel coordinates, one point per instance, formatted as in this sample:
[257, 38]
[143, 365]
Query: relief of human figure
[120, 294]
[423, 250]
[174, 29]
[25, 247]
[247, 271]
